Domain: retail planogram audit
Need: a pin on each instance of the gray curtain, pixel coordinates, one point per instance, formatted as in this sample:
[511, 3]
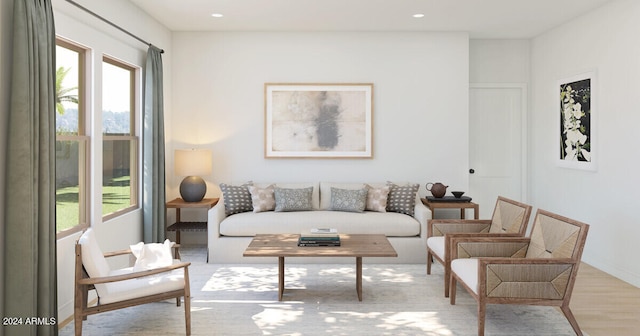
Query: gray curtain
[153, 194]
[30, 222]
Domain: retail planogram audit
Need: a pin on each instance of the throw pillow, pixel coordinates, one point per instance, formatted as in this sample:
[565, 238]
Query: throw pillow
[348, 200]
[237, 199]
[153, 255]
[377, 198]
[263, 199]
[402, 199]
[293, 199]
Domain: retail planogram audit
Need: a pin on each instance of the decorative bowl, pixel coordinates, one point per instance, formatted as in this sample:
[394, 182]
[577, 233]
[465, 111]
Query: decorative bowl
[457, 194]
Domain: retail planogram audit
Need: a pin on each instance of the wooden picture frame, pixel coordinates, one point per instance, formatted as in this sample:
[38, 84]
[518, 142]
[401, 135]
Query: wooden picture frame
[318, 120]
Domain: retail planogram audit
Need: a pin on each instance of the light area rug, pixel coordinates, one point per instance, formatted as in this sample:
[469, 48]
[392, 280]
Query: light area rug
[321, 299]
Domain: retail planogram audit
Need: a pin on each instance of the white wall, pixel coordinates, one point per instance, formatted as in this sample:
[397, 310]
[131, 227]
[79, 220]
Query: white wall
[80, 27]
[605, 40]
[499, 61]
[6, 32]
[420, 102]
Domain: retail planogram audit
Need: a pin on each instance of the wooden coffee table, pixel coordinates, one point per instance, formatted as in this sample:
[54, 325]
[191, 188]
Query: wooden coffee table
[286, 245]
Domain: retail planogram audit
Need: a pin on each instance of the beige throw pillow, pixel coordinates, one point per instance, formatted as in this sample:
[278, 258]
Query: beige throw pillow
[263, 199]
[377, 198]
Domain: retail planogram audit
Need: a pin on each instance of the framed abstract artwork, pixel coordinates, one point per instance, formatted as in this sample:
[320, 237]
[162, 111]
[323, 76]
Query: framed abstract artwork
[318, 120]
[577, 131]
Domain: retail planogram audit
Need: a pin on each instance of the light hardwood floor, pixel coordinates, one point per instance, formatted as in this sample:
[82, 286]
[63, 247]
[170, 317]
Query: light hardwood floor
[605, 305]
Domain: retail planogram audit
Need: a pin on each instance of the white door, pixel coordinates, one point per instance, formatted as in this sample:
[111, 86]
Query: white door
[497, 144]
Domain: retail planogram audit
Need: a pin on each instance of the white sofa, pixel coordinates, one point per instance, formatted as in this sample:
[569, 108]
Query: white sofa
[228, 236]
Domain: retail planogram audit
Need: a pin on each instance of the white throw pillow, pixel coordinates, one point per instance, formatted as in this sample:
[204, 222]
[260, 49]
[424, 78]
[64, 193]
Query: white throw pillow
[150, 256]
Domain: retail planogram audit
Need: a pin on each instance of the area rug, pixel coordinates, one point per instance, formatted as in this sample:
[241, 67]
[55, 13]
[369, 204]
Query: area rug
[321, 299]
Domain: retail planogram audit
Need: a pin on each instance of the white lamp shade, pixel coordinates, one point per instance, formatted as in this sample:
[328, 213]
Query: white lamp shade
[192, 162]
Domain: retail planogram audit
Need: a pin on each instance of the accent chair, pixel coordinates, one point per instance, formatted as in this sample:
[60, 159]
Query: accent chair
[539, 270]
[510, 218]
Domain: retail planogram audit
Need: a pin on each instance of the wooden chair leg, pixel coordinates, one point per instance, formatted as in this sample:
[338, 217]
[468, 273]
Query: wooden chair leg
[452, 290]
[187, 302]
[77, 320]
[482, 312]
[572, 320]
[447, 275]
[80, 304]
[429, 261]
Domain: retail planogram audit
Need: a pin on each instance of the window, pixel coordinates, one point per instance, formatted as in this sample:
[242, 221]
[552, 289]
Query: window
[72, 143]
[76, 205]
[120, 143]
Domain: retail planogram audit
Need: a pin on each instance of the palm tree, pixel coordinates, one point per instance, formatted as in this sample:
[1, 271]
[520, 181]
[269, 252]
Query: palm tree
[63, 94]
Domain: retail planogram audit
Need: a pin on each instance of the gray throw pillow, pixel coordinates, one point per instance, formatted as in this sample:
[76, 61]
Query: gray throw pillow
[237, 199]
[402, 199]
[293, 199]
[348, 200]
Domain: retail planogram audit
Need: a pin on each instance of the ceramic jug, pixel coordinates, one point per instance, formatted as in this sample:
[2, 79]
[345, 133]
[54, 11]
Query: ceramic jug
[437, 189]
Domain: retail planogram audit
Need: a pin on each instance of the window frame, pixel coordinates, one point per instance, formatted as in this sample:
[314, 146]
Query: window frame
[83, 139]
[132, 137]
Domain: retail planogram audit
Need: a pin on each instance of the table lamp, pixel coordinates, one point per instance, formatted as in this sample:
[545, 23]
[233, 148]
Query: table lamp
[192, 163]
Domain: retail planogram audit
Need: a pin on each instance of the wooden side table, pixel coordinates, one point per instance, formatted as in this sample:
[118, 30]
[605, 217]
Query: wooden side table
[179, 203]
[452, 205]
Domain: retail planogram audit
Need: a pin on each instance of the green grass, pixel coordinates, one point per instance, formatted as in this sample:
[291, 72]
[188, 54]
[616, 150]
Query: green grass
[115, 196]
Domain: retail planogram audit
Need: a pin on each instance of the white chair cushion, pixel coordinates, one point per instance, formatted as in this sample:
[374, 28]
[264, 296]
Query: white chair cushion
[92, 257]
[467, 271]
[134, 288]
[436, 244]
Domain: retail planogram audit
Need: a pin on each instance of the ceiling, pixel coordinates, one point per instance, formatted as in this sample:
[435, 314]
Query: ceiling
[480, 18]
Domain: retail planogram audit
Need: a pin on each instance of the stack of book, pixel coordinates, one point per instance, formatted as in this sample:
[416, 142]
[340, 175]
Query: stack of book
[319, 237]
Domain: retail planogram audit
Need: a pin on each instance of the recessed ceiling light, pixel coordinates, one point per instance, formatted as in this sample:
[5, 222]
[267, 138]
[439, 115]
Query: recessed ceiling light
[419, 15]
[217, 15]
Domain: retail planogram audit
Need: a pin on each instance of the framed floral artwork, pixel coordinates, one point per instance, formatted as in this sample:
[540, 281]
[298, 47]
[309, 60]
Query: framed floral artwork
[577, 126]
[318, 120]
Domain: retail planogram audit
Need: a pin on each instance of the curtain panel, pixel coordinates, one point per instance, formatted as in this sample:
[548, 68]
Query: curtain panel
[153, 193]
[30, 227]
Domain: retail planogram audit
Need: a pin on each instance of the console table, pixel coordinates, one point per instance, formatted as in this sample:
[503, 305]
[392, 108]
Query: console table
[452, 205]
[179, 225]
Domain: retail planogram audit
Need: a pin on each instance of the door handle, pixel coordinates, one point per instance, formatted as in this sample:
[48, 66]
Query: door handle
[471, 171]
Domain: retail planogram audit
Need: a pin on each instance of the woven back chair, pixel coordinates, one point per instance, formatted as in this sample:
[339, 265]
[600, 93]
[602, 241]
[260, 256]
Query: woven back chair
[539, 270]
[510, 218]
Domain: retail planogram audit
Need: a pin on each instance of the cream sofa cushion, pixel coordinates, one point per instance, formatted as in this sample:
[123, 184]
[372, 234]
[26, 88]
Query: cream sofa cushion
[251, 223]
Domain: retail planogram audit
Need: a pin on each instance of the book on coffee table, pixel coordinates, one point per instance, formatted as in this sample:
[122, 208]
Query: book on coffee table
[324, 231]
[310, 243]
[319, 237]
